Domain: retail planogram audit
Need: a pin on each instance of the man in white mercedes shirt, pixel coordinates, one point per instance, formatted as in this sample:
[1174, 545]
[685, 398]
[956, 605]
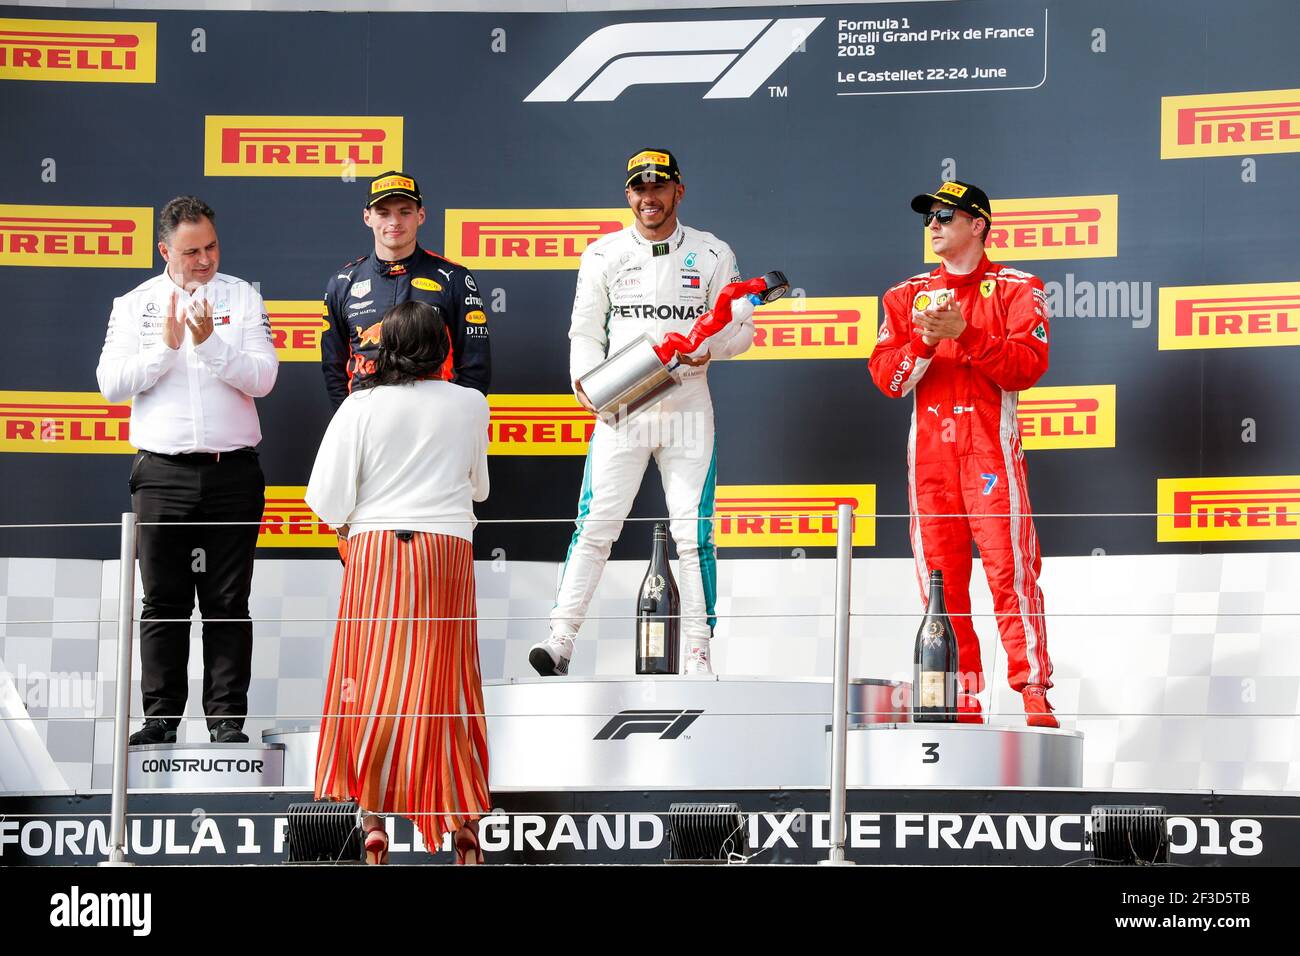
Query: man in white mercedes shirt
[192, 348]
[657, 276]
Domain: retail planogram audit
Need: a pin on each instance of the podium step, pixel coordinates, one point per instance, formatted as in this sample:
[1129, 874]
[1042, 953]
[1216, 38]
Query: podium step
[204, 766]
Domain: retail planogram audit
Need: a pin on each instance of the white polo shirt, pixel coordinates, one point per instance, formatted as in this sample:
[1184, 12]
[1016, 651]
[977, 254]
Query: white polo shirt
[192, 398]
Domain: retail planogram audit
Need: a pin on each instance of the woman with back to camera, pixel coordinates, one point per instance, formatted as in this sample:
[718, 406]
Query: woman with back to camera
[397, 473]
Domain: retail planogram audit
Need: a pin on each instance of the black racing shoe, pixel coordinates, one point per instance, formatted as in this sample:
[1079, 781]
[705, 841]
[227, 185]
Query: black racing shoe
[228, 732]
[550, 657]
[155, 731]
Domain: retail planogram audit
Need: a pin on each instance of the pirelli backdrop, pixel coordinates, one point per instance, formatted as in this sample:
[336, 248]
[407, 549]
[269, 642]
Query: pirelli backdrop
[1143, 159]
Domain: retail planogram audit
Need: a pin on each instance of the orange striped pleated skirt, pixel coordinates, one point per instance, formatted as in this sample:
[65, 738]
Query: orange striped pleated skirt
[403, 728]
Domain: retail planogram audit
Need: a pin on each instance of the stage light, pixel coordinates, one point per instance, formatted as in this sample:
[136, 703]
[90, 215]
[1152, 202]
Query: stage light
[323, 832]
[1129, 836]
[705, 832]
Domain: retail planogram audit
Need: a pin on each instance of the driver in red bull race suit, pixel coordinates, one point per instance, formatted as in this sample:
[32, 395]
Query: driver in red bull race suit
[398, 270]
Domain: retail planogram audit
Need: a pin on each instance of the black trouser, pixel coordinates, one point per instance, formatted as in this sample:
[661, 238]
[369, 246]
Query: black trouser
[214, 561]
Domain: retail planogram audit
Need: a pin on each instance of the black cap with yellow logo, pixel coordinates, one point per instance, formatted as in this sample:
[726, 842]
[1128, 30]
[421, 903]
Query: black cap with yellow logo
[963, 196]
[652, 166]
[393, 183]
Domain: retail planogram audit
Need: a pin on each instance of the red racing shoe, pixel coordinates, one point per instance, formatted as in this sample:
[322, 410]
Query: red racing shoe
[1038, 712]
[969, 710]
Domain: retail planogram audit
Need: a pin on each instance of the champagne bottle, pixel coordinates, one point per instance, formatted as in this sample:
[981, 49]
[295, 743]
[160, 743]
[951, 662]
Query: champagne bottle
[658, 613]
[934, 684]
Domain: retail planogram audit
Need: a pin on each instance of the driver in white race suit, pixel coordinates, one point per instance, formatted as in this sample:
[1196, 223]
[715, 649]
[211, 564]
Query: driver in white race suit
[657, 276]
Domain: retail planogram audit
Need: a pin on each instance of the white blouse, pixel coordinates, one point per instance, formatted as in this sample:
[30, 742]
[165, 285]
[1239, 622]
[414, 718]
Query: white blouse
[404, 457]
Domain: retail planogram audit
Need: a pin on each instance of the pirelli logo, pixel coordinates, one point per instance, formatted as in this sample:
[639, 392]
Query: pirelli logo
[814, 328]
[1228, 509]
[82, 423]
[1067, 416]
[78, 51]
[301, 145]
[527, 238]
[538, 425]
[287, 522]
[98, 237]
[790, 516]
[1057, 227]
[296, 328]
[1230, 124]
[1230, 316]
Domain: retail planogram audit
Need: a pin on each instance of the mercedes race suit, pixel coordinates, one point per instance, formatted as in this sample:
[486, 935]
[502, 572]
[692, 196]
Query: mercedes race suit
[629, 285]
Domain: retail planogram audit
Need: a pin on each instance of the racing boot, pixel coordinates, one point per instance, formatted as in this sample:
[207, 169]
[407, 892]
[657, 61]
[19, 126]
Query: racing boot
[968, 709]
[551, 657]
[1038, 712]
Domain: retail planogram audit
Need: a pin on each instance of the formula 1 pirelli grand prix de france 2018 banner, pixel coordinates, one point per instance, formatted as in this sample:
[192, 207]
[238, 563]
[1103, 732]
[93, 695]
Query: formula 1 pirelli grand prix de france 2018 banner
[1143, 159]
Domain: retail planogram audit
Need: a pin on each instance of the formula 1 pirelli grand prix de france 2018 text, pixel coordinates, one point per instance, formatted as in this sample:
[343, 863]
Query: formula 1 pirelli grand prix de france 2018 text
[948, 50]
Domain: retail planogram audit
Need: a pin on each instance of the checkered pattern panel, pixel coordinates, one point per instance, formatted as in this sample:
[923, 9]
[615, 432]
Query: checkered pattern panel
[1181, 671]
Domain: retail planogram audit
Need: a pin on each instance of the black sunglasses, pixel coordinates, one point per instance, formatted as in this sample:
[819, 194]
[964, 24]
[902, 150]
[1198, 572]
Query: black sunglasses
[945, 216]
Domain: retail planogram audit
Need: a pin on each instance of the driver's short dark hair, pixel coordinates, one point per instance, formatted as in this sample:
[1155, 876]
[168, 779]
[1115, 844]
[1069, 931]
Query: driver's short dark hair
[179, 210]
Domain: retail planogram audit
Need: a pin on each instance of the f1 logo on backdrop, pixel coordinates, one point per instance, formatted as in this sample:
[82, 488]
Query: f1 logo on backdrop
[1230, 316]
[101, 237]
[527, 238]
[1229, 124]
[739, 55]
[301, 145]
[1055, 227]
[1261, 508]
[814, 328]
[78, 51]
[668, 724]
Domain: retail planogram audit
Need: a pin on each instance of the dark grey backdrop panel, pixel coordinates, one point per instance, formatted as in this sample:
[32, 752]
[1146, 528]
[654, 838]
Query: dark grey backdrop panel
[813, 183]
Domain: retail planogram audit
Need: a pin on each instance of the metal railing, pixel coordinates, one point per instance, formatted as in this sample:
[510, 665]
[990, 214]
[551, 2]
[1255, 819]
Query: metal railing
[842, 618]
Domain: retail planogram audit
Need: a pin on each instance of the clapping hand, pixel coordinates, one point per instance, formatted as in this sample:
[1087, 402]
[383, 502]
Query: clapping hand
[936, 323]
[198, 316]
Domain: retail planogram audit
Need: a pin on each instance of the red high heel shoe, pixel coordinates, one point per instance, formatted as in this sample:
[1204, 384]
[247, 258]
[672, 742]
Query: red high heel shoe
[468, 851]
[376, 840]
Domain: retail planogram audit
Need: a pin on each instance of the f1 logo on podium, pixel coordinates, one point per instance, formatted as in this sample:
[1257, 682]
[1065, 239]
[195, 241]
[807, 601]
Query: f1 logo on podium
[668, 724]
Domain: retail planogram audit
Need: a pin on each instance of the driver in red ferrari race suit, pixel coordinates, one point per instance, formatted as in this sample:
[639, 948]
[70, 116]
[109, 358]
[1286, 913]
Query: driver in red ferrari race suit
[964, 341]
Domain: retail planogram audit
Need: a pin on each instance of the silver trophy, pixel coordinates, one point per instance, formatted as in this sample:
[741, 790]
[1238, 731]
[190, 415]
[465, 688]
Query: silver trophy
[641, 373]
